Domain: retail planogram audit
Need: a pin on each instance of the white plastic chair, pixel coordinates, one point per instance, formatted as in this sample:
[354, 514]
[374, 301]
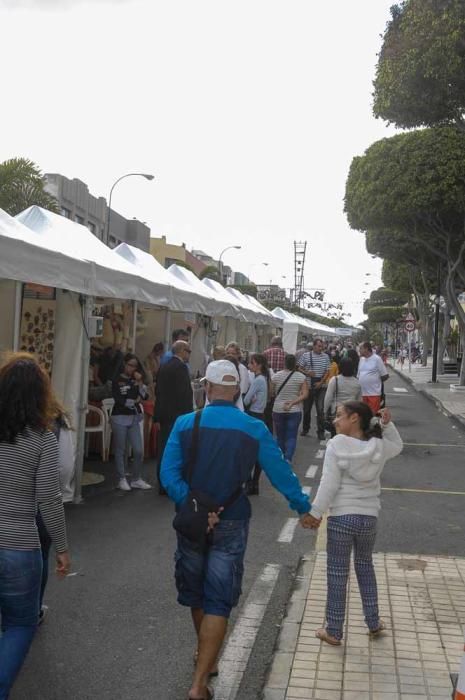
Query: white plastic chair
[107, 408]
[101, 427]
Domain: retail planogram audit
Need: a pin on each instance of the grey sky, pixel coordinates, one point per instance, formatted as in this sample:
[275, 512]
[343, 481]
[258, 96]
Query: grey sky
[248, 114]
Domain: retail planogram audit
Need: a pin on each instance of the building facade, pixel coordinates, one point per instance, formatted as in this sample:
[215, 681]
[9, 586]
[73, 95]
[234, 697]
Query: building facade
[76, 203]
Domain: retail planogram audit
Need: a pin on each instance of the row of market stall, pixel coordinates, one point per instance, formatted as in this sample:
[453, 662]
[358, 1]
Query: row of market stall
[62, 290]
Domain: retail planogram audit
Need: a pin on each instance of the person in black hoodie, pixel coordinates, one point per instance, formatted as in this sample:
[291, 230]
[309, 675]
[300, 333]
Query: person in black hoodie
[129, 391]
[173, 396]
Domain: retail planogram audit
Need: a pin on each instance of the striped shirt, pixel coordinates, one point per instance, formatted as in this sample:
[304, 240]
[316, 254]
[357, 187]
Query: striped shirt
[289, 392]
[29, 479]
[315, 362]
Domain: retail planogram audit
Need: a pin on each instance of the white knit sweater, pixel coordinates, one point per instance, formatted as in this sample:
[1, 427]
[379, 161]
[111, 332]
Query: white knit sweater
[351, 473]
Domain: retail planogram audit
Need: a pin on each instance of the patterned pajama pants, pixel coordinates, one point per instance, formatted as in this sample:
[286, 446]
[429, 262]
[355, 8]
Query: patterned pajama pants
[347, 532]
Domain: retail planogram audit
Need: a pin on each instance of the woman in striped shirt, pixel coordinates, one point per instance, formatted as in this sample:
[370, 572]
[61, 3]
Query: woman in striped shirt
[28, 480]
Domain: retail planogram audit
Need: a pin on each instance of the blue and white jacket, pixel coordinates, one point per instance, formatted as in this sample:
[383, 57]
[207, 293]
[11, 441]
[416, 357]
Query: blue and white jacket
[230, 442]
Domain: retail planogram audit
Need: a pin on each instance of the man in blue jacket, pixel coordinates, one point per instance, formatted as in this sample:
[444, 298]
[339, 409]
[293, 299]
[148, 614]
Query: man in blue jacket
[230, 442]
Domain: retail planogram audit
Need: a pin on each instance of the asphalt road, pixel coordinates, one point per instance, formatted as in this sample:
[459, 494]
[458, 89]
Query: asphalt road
[114, 629]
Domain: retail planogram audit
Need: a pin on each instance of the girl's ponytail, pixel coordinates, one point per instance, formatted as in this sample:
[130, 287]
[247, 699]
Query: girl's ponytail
[369, 424]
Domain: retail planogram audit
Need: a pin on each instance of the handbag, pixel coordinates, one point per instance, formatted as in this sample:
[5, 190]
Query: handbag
[191, 520]
[328, 422]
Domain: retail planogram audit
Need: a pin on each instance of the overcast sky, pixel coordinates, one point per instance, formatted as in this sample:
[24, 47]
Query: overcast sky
[248, 113]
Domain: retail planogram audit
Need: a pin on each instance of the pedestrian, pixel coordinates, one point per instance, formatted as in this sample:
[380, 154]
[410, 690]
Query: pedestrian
[353, 355]
[61, 427]
[315, 366]
[344, 387]
[275, 355]
[255, 402]
[234, 349]
[290, 391]
[151, 368]
[29, 482]
[219, 352]
[177, 334]
[303, 348]
[371, 375]
[129, 391]
[350, 489]
[174, 397]
[209, 575]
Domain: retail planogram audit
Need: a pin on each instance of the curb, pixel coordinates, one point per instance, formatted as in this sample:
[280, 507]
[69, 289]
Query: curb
[283, 656]
[437, 402]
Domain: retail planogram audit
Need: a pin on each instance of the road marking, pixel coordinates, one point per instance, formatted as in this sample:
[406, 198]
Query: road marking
[320, 454]
[287, 533]
[429, 444]
[241, 641]
[307, 490]
[400, 389]
[448, 493]
[407, 396]
[311, 471]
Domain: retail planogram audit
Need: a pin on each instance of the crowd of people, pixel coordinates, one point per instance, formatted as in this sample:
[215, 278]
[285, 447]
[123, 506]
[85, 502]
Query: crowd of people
[249, 421]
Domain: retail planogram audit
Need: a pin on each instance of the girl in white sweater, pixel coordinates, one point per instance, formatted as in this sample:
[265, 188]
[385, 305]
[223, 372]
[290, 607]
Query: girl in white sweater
[350, 490]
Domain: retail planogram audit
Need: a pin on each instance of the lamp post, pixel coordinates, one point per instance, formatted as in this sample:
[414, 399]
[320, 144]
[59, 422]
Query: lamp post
[147, 177]
[254, 265]
[220, 264]
[437, 301]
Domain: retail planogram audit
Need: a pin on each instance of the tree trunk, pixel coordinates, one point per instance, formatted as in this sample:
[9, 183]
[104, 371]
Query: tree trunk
[444, 326]
[427, 338]
[459, 312]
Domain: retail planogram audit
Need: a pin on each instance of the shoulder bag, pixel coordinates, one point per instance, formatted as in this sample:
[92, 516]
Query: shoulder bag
[330, 416]
[191, 520]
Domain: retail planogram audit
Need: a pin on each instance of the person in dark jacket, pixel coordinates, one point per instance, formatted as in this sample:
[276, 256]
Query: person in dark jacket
[129, 391]
[173, 396]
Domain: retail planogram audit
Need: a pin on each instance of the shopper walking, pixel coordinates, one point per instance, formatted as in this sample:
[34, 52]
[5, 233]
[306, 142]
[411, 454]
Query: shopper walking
[28, 481]
[209, 577]
[173, 396]
[290, 391]
[315, 366]
[350, 488]
[255, 402]
[129, 391]
[275, 355]
[344, 387]
[371, 375]
[234, 349]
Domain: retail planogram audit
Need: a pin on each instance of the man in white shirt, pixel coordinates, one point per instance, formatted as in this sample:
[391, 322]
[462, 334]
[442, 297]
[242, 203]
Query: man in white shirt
[371, 375]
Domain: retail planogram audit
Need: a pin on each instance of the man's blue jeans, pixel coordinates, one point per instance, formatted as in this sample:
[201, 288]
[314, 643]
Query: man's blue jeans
[286, 426]
[20, 578]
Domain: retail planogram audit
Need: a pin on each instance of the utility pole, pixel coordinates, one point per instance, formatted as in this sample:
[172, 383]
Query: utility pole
[300, 248]
[434, 374]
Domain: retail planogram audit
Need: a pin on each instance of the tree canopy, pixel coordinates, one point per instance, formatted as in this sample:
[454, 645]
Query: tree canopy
[22, 185]
[420, 76]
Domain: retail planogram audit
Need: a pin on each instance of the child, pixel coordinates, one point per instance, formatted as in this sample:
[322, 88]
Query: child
[350, 488]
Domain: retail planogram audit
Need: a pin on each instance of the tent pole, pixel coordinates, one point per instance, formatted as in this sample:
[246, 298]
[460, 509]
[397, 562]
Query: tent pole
[86, 303]
[134, 325]
[17, 315]
[168, 330]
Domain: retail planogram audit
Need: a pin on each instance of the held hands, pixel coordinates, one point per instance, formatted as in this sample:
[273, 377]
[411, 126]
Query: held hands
[213, 519]
[309, 522]
[386, 416]
[287, 406]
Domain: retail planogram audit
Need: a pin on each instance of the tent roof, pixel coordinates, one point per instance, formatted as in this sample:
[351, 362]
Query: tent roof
[302, 322]
[24, 259]
[258, 315]
[58, 234]
[222, 294]
[213, 305]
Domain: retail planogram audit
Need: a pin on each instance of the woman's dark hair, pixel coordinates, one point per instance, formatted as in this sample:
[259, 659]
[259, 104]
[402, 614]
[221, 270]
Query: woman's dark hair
[346, 367]
[158, 347]
[127, 358]
[25, 397]
[262, 362]
[290, 362]
[352, 354]
[365, 414]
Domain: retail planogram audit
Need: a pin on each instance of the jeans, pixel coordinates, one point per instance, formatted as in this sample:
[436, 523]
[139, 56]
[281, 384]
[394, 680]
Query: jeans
[122, 434]
[45, 545]
[317, 397]
[211, 579]
[20, 578]
[347, 532]
[286, 426]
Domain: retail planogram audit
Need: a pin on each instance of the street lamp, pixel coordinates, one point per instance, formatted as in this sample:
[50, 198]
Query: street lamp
[230, 247]
[147, 177]
[254, 265]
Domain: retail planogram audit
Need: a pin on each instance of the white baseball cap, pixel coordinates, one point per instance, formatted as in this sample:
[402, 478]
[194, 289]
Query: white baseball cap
[221, 372]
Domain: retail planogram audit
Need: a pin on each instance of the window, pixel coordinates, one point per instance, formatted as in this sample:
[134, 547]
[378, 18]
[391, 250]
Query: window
[79, 219]
[65, 212]
[91, 227]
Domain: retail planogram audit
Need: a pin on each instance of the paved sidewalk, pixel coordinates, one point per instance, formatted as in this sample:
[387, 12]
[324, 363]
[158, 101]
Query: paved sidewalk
[422, 601]
[452, 403]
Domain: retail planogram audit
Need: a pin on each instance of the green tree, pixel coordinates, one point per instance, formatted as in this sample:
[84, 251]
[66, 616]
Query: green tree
[22, 185]
[410, 190]
[420, 77]
[212, 273]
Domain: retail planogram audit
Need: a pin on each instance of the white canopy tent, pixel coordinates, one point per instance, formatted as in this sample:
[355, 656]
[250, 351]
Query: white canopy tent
[297, 327]
[213, 305]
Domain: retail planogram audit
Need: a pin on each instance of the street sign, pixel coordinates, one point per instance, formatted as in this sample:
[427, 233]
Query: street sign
[409, 317]
[409, 326]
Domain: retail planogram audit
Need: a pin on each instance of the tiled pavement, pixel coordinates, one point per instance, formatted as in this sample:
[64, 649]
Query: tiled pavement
[422, 600]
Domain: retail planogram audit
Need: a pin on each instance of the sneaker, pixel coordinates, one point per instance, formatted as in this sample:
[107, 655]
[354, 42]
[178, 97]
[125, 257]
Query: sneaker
[123, 485]
[140, 484]
[42, 613]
